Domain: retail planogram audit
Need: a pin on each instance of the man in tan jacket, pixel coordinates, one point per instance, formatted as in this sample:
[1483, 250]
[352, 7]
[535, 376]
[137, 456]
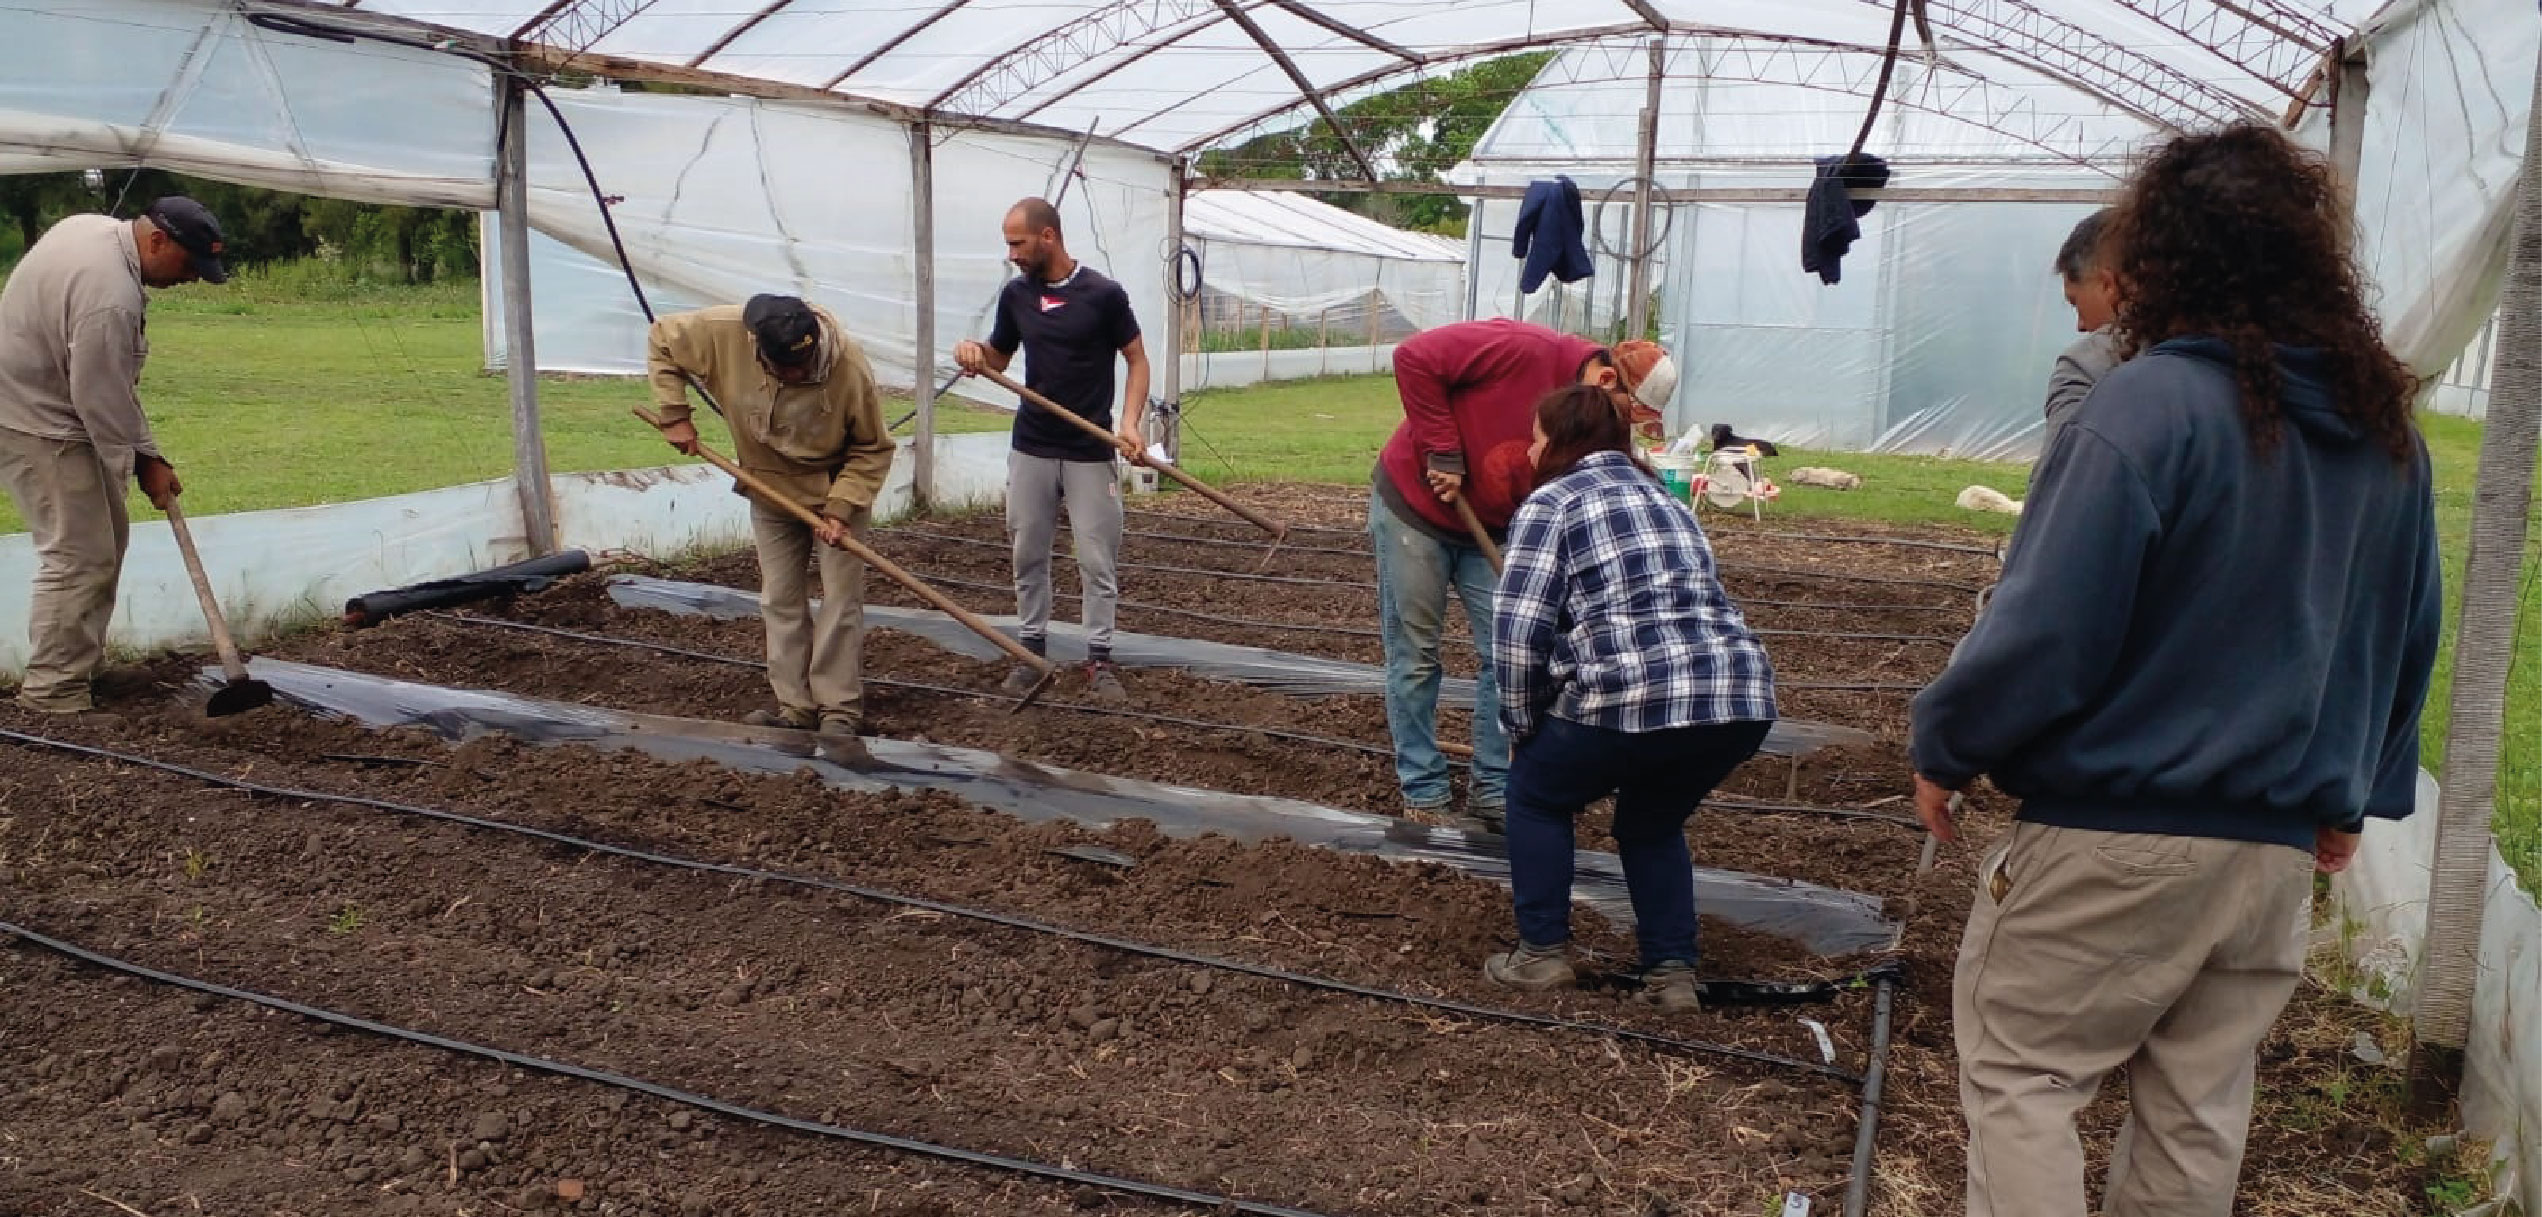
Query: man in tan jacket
[807, 420]
[72, 434]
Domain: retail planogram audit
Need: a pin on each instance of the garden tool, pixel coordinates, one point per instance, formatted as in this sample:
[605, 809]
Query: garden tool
[890, 569]
[1474, 529]
[240, 694]
[1279, 531]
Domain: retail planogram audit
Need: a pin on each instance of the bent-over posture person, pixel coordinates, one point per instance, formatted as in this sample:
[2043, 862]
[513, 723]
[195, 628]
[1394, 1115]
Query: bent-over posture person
[1071, 322]
[1469, 392]
[807, 420]
[72, 433]
[1624, 670]
[2201, 675]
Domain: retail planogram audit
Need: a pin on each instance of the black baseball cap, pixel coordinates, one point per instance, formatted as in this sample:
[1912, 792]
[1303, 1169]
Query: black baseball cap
[191, 226]
[789, 333]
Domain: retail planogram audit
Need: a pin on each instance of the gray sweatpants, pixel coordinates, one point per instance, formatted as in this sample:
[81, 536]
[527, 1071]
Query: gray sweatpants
[1035, 488]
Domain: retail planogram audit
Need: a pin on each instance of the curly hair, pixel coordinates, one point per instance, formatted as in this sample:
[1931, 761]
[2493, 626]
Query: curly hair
[2242, 236]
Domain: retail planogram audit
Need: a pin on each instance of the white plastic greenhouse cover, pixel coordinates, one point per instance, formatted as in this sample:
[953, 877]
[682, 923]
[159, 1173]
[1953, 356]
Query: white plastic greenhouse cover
[1181, 74]
[1286, 252]
[1319, 265]
[1941, 334]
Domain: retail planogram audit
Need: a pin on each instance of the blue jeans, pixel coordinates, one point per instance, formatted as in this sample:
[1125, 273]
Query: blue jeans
[1414, 573]
[1657, 777]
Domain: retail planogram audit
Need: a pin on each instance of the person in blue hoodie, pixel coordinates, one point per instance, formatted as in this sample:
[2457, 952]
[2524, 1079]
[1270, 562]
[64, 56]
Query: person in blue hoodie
[2201, 676]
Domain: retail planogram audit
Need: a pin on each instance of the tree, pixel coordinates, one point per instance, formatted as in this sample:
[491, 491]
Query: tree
[1415, 133]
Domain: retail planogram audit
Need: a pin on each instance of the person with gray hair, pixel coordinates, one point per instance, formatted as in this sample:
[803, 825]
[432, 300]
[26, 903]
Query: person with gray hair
[2093, 291]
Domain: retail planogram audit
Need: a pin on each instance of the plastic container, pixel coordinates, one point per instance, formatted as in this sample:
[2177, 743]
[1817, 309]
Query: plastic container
[1678, 473]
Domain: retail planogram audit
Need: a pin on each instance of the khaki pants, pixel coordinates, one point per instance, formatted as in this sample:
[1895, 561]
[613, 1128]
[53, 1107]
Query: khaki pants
[814, 661]
[74, 506]
[2169, 956]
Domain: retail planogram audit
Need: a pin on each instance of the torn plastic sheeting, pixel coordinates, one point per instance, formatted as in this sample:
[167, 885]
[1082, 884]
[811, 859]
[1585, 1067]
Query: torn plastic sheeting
[1826, 921]
[1280, 671]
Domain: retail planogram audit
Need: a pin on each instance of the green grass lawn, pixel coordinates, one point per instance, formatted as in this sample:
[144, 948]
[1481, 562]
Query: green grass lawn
[293, 388]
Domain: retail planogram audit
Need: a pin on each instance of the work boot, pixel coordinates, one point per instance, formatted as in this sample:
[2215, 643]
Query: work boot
[1492, 818]
[1532, 968]
[792, 718]
[840, 738]
[1103, 684]
[1670, 985]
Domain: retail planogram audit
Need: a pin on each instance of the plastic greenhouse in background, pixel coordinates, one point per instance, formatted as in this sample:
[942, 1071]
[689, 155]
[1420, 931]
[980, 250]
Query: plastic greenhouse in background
[862, 154]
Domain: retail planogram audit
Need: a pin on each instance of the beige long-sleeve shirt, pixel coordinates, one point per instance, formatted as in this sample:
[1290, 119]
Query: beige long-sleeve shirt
[822, 442]
[72, 341]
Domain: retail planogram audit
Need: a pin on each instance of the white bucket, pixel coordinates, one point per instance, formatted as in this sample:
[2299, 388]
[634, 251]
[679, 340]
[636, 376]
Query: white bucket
[1678, 473]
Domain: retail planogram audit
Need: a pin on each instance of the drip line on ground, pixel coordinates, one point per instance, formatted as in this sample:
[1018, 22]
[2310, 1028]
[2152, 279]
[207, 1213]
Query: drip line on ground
[518, 1060]
[1461, 639]
[1109, 712]
[1954, 547]
[985, 916]
[1867, 1126]
[1367, 585]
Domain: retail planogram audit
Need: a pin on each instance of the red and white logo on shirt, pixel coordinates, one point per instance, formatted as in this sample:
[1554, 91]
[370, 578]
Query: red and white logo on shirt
[1053, 303]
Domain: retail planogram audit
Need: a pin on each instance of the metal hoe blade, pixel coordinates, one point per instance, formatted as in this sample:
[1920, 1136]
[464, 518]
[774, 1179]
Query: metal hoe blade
[238, 697]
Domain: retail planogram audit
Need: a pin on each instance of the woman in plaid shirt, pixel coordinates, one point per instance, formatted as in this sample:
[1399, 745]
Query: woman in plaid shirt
[1624, 670]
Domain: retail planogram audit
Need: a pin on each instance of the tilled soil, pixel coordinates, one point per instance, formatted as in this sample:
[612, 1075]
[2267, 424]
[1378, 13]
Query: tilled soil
[822, 1005]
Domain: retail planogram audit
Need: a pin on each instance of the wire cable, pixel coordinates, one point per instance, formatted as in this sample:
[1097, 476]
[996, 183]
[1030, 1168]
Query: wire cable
[968, 1157]
[1007, 920]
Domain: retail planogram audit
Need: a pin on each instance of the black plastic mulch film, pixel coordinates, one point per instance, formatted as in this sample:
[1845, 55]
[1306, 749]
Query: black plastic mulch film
[1280, 671]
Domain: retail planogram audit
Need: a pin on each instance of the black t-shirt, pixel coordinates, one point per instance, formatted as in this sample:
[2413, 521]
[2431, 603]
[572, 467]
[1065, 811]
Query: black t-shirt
[1071, 332]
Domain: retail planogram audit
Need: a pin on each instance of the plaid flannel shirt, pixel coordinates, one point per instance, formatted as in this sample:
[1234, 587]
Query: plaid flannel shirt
[1611, 614]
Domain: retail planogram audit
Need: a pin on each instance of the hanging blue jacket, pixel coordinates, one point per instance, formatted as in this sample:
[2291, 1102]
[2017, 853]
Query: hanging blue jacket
[1548, 235]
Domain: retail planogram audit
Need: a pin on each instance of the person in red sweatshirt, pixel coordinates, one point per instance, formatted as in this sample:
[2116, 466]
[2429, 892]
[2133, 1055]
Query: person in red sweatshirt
[1469, 395]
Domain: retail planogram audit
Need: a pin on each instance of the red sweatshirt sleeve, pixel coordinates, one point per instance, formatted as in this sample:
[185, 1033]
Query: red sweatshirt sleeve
[1426, 373]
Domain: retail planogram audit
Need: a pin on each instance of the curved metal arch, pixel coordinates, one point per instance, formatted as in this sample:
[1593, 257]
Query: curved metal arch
[2273, 41]
[2023, 32]
[1969, 97]
[1113, 29]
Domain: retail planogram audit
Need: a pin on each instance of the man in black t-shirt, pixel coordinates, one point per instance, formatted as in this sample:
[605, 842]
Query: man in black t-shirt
[1070, 322]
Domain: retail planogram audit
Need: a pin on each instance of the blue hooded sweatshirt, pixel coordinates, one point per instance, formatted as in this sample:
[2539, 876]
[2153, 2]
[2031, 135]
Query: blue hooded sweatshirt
[2195, 638]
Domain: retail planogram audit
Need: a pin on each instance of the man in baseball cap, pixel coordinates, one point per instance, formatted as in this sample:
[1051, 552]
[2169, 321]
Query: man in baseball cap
[807, 419]
[191, 226]
[72, 432]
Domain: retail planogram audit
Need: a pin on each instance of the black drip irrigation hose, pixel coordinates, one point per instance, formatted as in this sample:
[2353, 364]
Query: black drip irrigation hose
[1292, 580]
[1874, 1079]
[1300, 737]
[1775, 533]
[1344, 631]
[968, 1157]
[1216, 618]
[985, 916]
[1366, 585]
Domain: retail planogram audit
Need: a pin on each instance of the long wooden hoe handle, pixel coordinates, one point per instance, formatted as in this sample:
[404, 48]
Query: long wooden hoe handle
[1474, 528]
[1279, 531]
[231, 664]
[891, 570]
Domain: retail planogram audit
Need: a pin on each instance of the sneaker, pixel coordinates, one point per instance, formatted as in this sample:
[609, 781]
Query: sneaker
[1103, 684]
[1670, 985]
[1532, 968]
[792, 718]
